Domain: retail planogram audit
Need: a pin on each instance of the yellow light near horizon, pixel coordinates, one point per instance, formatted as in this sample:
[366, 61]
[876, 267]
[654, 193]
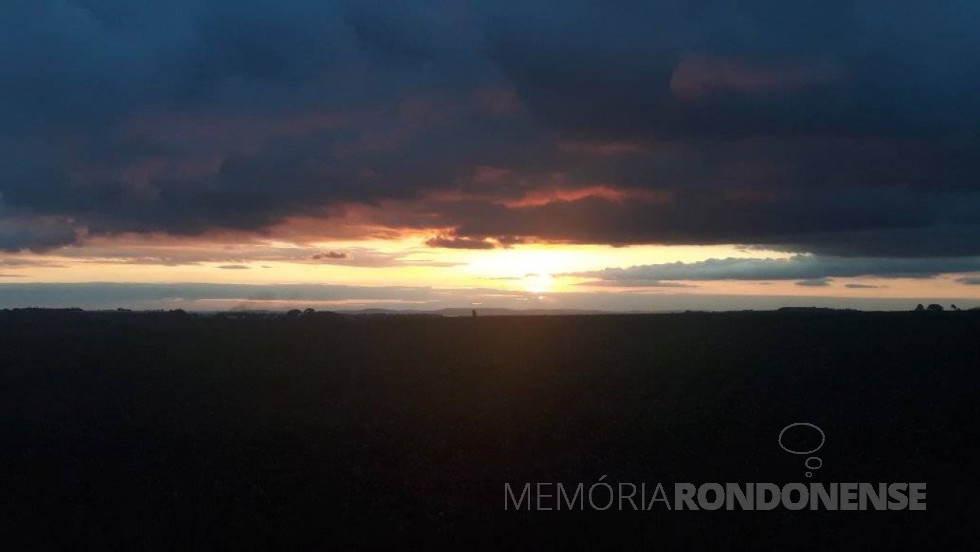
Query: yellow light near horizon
[527, 263]
[558, 259]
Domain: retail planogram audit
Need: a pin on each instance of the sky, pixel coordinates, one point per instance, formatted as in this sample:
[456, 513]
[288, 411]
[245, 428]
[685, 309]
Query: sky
[620, 155]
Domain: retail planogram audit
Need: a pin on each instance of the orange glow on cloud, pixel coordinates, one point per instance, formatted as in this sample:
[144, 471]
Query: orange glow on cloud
[618, 195]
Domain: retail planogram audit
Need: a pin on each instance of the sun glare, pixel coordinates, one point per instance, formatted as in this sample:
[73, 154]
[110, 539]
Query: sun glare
[538, 283]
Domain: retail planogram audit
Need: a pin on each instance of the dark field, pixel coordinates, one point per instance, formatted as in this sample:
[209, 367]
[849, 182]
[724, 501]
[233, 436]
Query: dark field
[128, 430]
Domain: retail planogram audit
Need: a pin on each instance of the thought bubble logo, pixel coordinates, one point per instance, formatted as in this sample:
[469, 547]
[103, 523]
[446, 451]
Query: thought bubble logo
[812, 463]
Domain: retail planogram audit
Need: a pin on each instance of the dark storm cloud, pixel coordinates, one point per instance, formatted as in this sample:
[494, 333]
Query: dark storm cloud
[744, 69]
[800, 267]
[113, 108]
[37, 234]
[839, 128]
[800, 217]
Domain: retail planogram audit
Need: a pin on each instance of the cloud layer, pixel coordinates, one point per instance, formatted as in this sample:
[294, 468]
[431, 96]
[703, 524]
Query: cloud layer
[838, 128]
[811, 270]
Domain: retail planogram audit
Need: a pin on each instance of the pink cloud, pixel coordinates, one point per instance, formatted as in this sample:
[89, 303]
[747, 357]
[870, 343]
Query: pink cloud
[617, 195]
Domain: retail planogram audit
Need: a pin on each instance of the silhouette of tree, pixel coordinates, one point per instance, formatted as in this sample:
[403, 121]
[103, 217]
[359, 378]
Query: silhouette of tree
[293, 313]
[919, 307]
[935, 308]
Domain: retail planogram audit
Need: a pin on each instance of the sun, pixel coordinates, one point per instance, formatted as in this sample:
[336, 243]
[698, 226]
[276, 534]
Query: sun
[531, 269]
[538, 283]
